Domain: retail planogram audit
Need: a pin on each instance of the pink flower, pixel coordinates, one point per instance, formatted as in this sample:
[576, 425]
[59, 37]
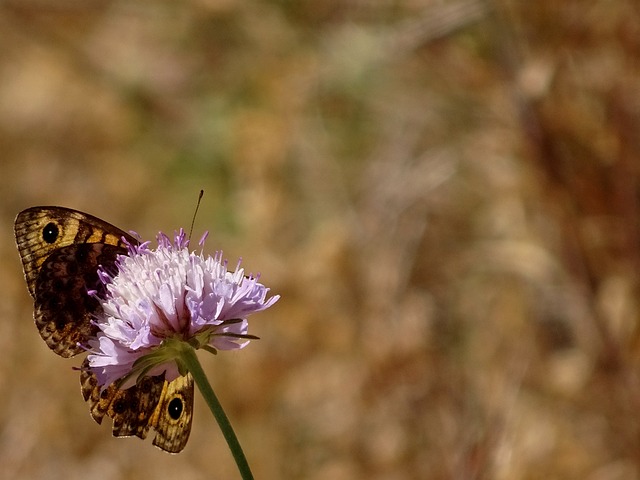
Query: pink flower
[170, 293]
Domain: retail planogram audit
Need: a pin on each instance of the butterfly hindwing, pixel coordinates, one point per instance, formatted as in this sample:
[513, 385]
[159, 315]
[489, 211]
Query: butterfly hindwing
[63, 308]
[152, 402]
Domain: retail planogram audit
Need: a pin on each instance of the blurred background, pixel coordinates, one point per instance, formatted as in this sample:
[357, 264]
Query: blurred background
[445, 194]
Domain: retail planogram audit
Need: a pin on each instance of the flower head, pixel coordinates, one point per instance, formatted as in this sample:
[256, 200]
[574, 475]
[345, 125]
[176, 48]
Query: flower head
[158, 296]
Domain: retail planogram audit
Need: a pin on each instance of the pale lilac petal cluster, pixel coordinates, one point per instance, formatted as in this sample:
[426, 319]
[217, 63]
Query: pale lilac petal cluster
[170, 292]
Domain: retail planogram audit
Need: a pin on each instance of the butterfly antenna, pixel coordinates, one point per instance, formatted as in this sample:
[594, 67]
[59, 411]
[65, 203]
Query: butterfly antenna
[193, 220]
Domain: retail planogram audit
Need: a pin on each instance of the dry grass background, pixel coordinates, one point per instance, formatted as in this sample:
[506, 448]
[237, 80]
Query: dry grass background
[445, 194]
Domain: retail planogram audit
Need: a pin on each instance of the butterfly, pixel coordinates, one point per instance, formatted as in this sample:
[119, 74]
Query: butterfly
[61, 250]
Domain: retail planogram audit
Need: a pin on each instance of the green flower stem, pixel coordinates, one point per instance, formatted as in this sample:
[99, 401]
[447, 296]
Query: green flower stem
[190, 361]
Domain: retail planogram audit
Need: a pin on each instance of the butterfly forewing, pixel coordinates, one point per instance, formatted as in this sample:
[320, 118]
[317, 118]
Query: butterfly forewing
[41, 230]
[173, 414]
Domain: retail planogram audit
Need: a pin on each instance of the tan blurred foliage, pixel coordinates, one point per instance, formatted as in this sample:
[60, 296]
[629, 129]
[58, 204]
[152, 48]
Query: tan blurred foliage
[445, 194]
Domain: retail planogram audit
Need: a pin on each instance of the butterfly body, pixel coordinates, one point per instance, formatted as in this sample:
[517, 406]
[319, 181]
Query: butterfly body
[61, 250]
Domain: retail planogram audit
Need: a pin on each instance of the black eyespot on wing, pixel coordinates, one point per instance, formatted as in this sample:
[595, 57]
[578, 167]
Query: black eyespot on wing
[50, 232]
[174, 409]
